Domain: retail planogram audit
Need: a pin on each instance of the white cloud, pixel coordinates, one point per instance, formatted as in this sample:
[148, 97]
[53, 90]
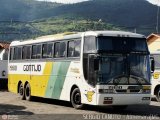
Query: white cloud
[64, 1]
[155, 2]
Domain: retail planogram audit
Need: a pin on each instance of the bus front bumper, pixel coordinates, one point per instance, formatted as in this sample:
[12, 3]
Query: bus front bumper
[123, 99]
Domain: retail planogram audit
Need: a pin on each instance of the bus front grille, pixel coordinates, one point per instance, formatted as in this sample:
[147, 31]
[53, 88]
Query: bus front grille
[127, 91]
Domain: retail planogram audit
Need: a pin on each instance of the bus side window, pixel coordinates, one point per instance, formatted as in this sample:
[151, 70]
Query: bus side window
[89, 47]
[71, 49]
[56, 49]
[39, 48]
[11, 53]
[17, 53]
[26, 52]
[77, 48]
[157, 60]
[47, 50]
[44, 51]
[36, 51]
[50, 50]
[74, 48]
[60, 49]
[89, 44]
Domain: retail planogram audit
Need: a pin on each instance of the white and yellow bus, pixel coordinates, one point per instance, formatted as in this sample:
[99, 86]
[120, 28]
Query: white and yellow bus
[156, 76]
[95, 67]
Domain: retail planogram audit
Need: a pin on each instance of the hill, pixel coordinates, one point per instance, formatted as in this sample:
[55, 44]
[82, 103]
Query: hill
[127, 14]
[24, 18]
[25, 30]
[25, 10]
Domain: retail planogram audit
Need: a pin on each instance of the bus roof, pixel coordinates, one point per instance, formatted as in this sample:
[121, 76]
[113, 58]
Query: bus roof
[72, 35]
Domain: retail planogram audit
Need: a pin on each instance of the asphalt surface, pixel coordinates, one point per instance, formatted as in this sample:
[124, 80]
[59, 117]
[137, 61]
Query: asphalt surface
[13, 108]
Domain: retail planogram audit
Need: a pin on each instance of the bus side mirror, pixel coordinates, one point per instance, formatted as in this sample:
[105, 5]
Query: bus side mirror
[96, 64]
[152, 64]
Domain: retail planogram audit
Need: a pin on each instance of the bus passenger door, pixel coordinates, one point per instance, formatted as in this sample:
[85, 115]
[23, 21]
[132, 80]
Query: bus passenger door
[92, 69]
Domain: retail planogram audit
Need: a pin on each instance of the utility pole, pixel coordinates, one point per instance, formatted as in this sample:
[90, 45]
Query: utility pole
[157, 25]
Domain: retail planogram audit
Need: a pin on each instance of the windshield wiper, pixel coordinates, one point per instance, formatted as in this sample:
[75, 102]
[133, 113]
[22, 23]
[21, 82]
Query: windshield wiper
[138, 79]
[116, 80]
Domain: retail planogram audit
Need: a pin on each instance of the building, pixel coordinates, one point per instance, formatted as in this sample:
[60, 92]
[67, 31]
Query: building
[153, 41]
[4, 48]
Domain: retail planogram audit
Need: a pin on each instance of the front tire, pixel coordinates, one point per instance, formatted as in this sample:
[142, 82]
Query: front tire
[28, 92]
[21, 91]
[76, 99]
[158, 94]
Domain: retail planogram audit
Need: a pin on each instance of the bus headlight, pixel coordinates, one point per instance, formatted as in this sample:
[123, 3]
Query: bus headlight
[146, 89]
[146, 98]
[106, 91]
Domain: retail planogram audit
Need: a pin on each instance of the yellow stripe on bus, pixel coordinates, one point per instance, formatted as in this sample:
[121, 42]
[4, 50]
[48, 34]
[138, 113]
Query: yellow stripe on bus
[38, 83]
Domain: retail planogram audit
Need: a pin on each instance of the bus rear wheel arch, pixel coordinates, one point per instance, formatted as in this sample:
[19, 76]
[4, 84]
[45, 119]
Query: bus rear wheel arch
[21, 90]
[28, 92]
[157, 93]
[76, 99]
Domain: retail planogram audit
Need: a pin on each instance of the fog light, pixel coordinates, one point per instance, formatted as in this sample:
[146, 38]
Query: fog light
[146, 91]
[107, 102]
[108, 98]
[146, 98]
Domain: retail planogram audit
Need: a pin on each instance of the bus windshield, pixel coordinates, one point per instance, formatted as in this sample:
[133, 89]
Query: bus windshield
[121, 44]
[124, 69]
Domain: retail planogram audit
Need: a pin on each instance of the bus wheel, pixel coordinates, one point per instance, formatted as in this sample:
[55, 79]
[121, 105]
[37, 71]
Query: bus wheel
[119, 107]
[28, 92]
[76, 99]
[158, 94]
[21, 91]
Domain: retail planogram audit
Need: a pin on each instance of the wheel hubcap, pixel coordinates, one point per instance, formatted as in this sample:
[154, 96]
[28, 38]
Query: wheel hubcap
[21, 90]
[77, 98]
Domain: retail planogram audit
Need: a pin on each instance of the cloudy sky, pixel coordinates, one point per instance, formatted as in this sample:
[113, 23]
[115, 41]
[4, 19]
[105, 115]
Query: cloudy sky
[65, 1]
[156, 2]
[75, 1]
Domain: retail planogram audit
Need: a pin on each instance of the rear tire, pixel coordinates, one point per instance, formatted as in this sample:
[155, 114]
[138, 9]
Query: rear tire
[21, 91]
[76, 99]
[28, 92]
[158, 94]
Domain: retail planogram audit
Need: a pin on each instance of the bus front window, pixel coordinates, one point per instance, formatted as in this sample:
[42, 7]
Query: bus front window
[138, 68]
[121, 44]
[123, 60]
[112, 66]
[123, 69]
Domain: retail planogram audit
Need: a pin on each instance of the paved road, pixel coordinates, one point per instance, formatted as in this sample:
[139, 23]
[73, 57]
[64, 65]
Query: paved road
[11, 107]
